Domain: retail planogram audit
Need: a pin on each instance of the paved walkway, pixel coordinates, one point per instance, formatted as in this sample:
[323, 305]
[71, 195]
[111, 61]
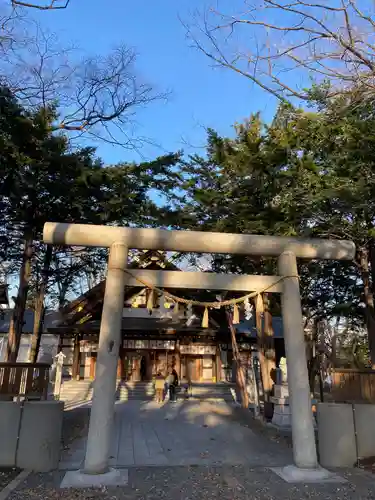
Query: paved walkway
[183, 433]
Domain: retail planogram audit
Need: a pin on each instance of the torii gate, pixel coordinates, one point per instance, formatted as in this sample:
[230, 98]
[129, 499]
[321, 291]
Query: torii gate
[119, 240]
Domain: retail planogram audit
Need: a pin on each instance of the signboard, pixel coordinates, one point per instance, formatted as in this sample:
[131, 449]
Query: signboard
[166, 345]
[244, 347]
[198, 349]
[241, 347]
[86, 346]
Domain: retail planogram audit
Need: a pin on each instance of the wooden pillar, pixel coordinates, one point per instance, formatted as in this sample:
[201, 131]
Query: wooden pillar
[178, 359]
[148, 357]
[122, 357]
[119, 367]
[61, 343]
[136, 368]
[183, 366]
[218, 365]
[120, 363]
[268, 342]
[92, 365]
[60, 347]
[265, 341]
[125, 357]
[76, 368]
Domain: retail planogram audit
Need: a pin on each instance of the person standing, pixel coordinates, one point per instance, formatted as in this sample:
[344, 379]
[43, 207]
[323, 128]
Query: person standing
[159, 387]
[171, 381]
[174, 373]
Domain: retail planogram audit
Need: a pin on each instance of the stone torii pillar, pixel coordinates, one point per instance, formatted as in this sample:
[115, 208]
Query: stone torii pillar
[119, 240]
[304, 449]
[101, 417]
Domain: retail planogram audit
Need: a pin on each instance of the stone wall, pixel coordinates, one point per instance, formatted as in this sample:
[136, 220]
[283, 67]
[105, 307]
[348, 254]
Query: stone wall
[346, 433]
[30, 434]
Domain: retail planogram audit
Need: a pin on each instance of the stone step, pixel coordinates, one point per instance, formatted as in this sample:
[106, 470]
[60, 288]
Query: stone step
[83, 391]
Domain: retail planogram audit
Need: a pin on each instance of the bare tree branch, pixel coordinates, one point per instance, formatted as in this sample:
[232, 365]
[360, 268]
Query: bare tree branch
[53, 5]
[97, 95]
[10, 20]
[285, 46]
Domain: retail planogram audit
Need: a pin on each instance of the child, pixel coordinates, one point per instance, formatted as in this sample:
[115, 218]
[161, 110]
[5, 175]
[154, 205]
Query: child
[159, 387]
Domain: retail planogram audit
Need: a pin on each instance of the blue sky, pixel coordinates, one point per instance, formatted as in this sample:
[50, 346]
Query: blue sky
[201, 96]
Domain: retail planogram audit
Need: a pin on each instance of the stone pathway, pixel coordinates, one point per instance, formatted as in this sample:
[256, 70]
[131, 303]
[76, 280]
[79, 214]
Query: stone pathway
[183, 433]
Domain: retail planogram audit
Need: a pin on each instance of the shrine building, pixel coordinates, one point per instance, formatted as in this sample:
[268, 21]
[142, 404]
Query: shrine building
[156, 334]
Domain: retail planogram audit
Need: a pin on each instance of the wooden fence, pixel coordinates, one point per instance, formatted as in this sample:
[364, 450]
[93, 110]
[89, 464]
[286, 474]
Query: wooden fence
[24, 380]
[350, 385]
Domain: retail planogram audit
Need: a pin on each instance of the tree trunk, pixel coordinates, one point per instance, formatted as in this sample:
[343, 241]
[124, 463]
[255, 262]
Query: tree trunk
[369, 300]
[313, 360]
[268, 343]
[39, 308]
[334, 351]
[313, 370]
[240, 376]
[37, 331]
[76, 368]
[16, 322]
[265, 345]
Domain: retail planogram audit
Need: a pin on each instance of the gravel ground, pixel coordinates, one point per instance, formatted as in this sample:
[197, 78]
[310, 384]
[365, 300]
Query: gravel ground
[194, 482]
[198, 483]
[7, 474]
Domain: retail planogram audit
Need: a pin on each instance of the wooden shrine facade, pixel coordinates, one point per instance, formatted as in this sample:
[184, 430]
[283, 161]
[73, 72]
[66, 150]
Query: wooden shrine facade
[151, 341]
[206, 358]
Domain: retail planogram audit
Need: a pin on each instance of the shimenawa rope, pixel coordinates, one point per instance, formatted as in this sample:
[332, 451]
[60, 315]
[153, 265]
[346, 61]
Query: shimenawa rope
[209, 305]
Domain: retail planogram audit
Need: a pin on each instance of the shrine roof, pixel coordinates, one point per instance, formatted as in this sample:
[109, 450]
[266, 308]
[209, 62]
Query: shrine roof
[247, 327]
[51, 319]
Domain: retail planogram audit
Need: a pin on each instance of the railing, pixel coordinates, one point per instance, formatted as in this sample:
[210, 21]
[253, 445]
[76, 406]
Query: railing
[24, 380]
[351, 385]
